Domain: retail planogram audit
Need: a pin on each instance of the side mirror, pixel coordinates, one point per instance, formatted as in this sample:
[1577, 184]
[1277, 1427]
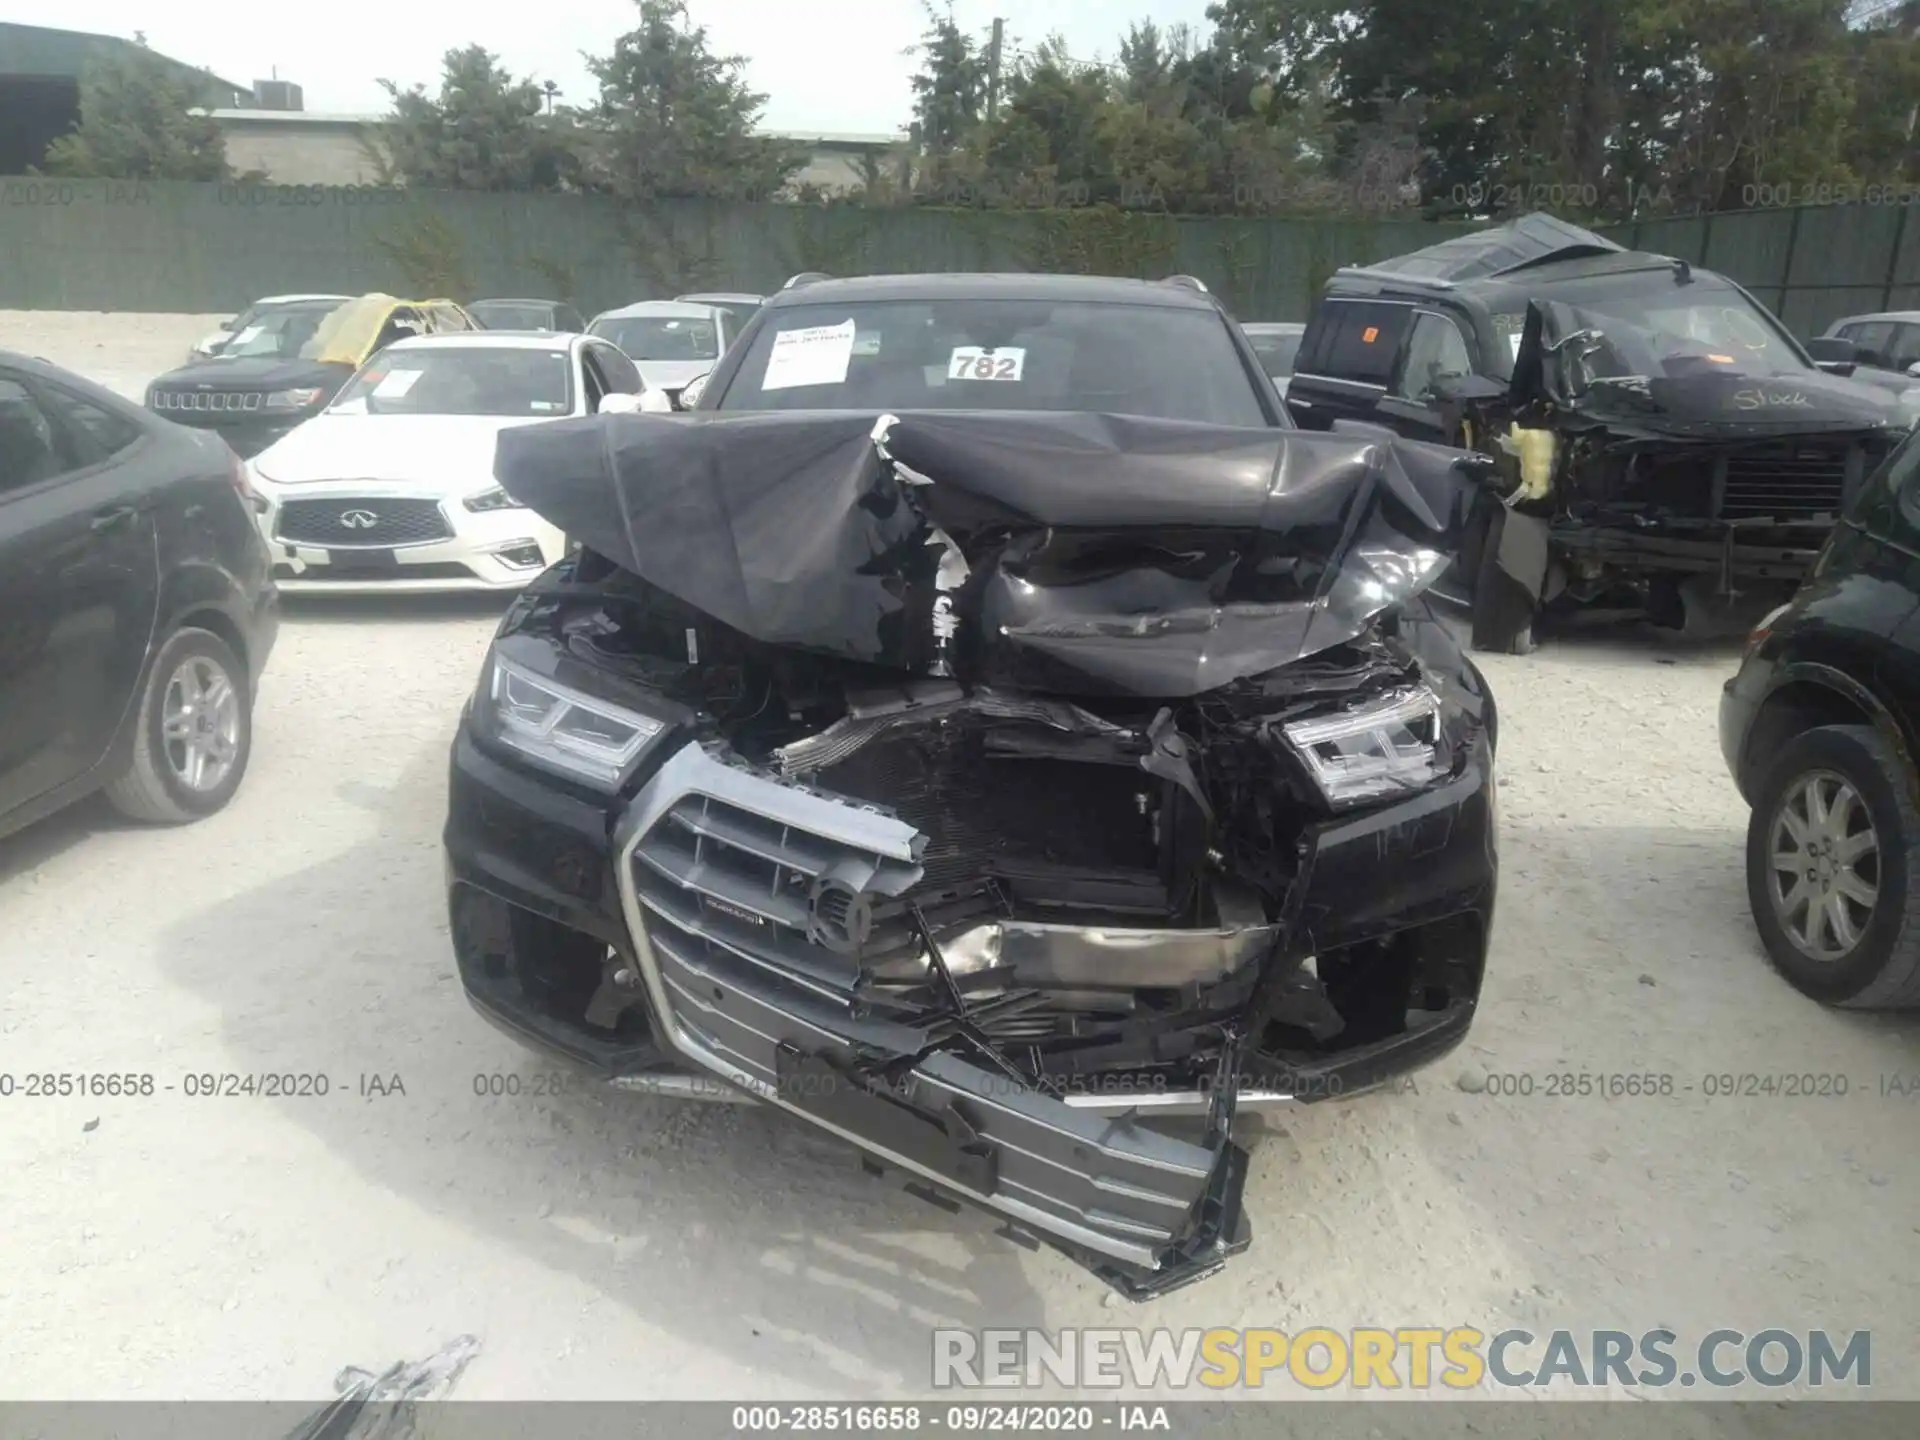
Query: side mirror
[1465, 389]
[690, 392]
[230, 322]
[654, 402]
[1832, 354]
[1914, 369]
[618, 402]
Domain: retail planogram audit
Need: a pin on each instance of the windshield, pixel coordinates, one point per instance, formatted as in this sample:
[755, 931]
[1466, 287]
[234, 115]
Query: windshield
[277, 331]
[461, 380]
[1657, 328]
[506, 315]
[1151, 360]
[1276, 352]
[661, 337]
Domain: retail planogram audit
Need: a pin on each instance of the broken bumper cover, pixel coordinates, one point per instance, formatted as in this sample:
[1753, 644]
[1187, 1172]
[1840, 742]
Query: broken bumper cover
[740, 1003]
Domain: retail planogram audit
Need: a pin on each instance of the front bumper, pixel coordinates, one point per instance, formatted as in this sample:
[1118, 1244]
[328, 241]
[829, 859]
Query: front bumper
[473, 556]
[565, 907]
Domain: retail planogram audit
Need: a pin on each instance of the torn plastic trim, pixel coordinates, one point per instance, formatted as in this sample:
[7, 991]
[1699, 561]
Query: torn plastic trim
[1108, 1191]
[871, 715]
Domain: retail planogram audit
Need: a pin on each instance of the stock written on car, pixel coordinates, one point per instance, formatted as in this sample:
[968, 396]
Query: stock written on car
[392, 488]
[863, 786]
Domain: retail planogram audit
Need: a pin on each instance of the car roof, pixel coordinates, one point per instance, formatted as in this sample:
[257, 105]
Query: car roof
[1275, 327]
[722, 297]
[670, 309]
[490, 340]
[1094, 289]
[517, 300]
[1897, 317]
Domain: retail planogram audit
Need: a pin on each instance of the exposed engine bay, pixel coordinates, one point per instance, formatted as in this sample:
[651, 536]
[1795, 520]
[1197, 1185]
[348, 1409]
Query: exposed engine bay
[1642, 472]
[1001, 782]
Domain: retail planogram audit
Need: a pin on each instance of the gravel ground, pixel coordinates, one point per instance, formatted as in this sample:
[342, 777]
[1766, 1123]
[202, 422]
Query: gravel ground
[612, 1246]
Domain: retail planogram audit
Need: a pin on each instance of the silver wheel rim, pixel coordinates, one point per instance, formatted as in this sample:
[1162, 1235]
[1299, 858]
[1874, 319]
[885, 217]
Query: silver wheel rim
[1823, 866]
[200, 724]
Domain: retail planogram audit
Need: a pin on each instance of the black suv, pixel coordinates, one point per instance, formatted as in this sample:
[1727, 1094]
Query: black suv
[1820, 728]
[136, 607]
[981, 719]
[1664, 445]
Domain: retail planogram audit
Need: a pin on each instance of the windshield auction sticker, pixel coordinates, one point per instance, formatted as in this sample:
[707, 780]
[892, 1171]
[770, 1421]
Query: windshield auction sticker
[395, 383]
[970, 362]
[815, 356]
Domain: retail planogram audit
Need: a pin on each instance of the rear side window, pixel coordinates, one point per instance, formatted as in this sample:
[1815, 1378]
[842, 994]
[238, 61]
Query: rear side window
[622, 374]
[109, 433]
[1906, 345]
[1873, 341]
[1357, 340]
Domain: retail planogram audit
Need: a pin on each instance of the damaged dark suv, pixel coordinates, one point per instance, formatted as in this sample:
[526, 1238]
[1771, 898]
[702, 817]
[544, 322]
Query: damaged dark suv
[983, 728]
[1664, 445]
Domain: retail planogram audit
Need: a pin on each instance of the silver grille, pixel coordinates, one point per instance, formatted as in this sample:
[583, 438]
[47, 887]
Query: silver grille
[730, 879]
[208, 400]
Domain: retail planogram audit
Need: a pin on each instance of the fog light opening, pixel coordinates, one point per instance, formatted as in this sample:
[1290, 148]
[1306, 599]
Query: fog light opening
[523, 555]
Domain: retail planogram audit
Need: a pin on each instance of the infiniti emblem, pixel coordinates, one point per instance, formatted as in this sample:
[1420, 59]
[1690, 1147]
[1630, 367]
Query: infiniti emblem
[359, 519]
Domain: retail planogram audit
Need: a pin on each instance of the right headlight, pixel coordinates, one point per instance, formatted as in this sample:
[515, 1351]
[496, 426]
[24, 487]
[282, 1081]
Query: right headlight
[1391, 746]
[557, 727]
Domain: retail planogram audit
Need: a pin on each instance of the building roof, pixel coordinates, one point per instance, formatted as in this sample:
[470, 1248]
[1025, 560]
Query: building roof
[248, 115]
[65, 54]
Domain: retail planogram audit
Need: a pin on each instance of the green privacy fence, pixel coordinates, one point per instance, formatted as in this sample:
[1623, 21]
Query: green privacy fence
[1808, 264]
[178, 246]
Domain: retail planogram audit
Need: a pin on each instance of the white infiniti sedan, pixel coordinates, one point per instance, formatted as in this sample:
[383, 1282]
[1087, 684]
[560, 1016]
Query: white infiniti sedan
[391, 487]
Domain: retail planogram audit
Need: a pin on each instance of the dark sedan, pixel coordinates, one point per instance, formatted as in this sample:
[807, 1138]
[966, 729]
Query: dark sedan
[136, 605]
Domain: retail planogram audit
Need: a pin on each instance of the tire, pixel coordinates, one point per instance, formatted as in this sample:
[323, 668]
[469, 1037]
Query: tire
[1502, 610]
[154, 787]
[1878, 966]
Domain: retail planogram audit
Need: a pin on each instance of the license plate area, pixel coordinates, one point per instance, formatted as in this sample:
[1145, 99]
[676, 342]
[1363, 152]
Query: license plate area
[344, 564]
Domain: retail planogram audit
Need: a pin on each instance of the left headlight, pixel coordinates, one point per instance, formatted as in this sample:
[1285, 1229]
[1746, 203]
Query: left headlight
[556, 726]
[1389, 747]
[295, 399]
[494, 499]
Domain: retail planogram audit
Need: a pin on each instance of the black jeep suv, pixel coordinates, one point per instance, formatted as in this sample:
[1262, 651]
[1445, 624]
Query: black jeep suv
[1664, 444]
[980, 727]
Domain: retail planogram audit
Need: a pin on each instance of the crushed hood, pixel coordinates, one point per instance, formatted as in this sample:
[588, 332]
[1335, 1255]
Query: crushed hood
[1076, 553]
[1704, 396]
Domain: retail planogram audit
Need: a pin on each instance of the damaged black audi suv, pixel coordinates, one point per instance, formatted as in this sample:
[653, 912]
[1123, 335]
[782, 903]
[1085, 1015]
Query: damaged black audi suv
[983, 728]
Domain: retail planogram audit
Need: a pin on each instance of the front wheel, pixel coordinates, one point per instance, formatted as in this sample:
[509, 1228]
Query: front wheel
[1831, 872]
[193, 735]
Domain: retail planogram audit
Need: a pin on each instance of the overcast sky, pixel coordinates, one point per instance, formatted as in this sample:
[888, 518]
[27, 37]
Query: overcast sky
[832, 66]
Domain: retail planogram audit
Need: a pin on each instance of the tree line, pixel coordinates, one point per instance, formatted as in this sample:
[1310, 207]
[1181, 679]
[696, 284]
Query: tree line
[1604, 110]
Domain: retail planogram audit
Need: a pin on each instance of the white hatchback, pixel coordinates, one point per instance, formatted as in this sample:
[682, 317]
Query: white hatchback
[391, 487]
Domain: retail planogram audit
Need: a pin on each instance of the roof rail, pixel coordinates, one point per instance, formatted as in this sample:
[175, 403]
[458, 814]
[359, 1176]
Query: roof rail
[1398, 277]
[1187, 282]
[805, 277]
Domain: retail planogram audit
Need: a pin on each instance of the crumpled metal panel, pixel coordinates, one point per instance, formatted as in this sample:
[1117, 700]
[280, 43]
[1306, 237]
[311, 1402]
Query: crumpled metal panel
[1096, 554]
